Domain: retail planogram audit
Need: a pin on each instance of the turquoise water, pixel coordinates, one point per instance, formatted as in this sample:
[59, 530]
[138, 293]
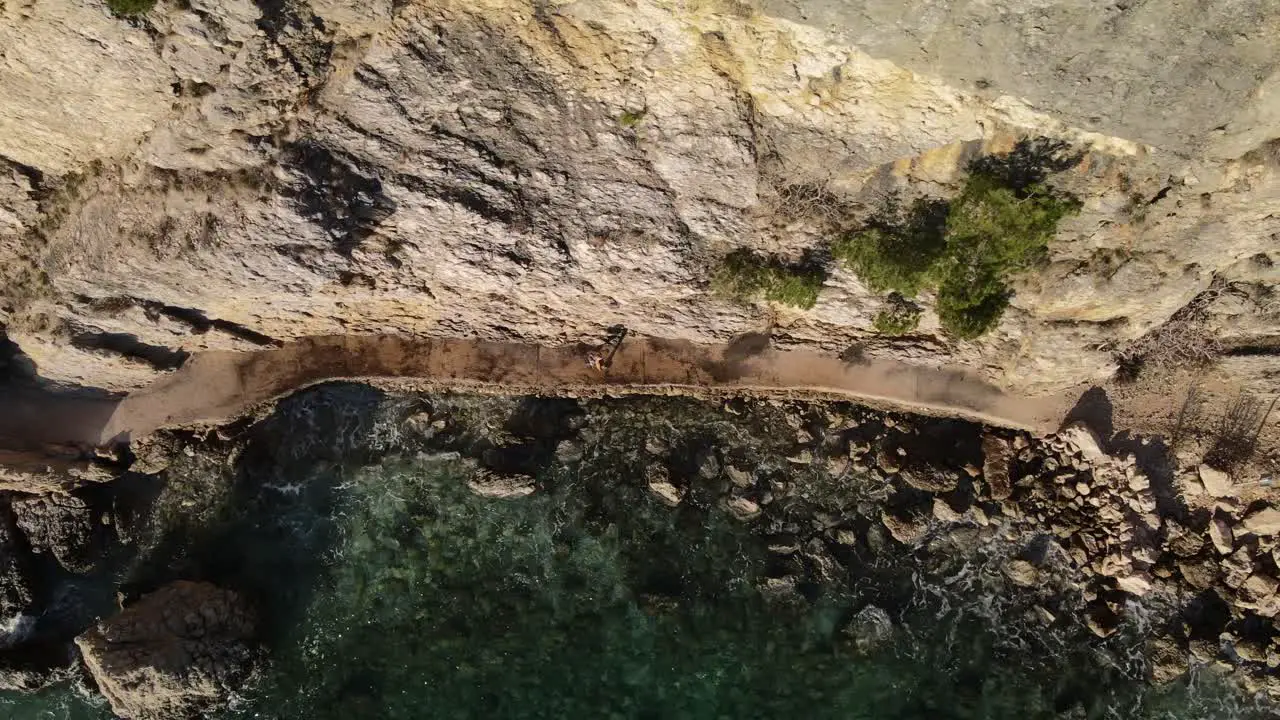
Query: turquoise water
[394, 592]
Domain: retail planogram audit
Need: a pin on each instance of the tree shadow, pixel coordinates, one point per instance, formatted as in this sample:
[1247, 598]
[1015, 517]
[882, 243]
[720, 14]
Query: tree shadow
[1095, 410]
[1029, 164]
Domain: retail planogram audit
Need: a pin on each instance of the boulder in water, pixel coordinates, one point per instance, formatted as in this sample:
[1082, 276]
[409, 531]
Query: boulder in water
[907, 529]
[179, 652]
[1168, 661]
[870, 629]
[490, 484]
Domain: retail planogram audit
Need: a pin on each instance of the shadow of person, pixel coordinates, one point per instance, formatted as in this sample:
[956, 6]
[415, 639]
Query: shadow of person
[1094, 409]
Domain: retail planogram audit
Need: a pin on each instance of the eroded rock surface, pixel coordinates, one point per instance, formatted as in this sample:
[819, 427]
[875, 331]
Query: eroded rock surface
[15, 589]
[177, 652]
[65, 526]
[241, 173]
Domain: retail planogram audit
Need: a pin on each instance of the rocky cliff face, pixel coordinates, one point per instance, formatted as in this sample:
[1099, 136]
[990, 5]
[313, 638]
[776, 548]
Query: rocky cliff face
[229, 175]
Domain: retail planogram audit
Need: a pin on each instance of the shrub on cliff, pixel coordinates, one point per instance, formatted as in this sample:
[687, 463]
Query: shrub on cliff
[130, 8]
[746, 275]
[993, 232]
[968, 249]
[899, 316]
[899, 248]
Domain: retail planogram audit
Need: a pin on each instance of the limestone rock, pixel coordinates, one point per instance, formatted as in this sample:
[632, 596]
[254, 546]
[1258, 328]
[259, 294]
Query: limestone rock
[1259, 593]
[943, 512]
[1237, 567]
[1216, 483]
[1199, 575]
[738, 477]
[1136, 584]
[490, 484]
[906, 529]
[1022, 573]
[668, 494]
[177, 652]
[1264, 521]
[64, 526]
[1101, 619]
[929, 479]
[1085, 440]
[742, 508]
[888, 461]
[997, 457]
[1221, 535]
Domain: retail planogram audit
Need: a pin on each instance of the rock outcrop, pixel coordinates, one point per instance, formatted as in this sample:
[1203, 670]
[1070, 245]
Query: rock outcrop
[239, 174]
[15, 589]
[177, 652]
[65, 526]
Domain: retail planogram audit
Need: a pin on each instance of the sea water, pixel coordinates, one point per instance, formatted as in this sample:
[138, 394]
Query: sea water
[391, 591]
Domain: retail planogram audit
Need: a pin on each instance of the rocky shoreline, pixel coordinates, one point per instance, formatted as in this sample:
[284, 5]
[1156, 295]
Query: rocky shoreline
[1101, 539]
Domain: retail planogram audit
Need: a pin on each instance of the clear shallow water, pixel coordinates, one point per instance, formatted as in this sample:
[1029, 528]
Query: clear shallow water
[393, 592]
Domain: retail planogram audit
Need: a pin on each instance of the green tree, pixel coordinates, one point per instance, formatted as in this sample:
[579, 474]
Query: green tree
[900, 249]
[999, 225]
[745, 275]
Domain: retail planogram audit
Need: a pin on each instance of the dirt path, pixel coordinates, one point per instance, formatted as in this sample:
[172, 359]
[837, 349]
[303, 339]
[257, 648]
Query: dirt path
[214, 387]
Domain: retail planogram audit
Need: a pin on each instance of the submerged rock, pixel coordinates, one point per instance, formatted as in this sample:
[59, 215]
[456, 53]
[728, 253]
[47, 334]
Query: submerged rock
[179, 651]
[870, 629]
[1168, 660]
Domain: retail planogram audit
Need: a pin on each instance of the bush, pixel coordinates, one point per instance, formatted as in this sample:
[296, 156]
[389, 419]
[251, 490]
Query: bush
[130, 8]
[999, 225]
[992, 233]
[900, 248]
[748, 276]
[899, 317]
[969, 309]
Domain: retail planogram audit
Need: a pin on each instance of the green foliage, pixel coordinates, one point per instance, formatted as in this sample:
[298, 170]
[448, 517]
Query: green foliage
[900, 249]
[968, 308]
[747, 276]
[631, 118]
[1000, 225]
[130, 8]
[993, 232]
[899, 317]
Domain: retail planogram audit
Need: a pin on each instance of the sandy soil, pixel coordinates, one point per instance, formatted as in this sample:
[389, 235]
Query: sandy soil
[213, 387]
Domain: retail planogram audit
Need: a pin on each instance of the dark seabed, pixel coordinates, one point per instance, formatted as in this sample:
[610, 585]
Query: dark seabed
[393, 591]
